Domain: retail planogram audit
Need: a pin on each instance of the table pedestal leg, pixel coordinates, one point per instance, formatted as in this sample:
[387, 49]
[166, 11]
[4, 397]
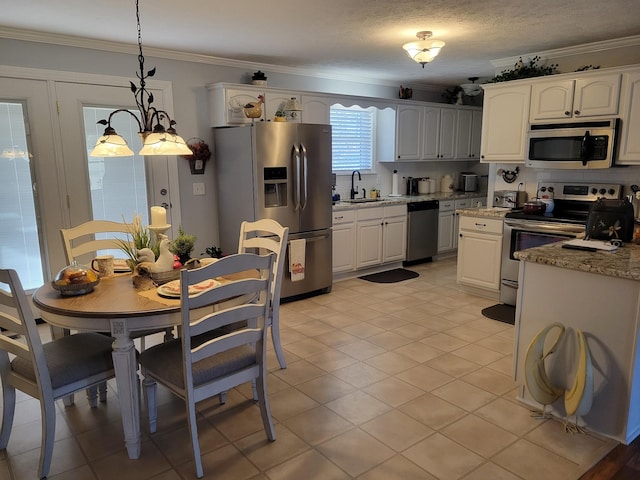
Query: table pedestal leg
[126, 366]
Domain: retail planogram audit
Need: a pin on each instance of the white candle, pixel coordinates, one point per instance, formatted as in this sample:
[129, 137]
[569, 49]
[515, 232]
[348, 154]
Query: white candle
[158, 216]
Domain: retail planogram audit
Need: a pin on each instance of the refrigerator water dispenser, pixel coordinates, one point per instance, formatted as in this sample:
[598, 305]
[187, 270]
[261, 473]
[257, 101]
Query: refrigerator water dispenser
[275, 186]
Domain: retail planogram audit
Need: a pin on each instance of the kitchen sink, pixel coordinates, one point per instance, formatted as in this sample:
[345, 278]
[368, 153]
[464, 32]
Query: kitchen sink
[362, 200]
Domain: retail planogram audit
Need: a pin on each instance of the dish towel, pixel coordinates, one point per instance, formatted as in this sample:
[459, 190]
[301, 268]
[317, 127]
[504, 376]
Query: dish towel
[296, 259]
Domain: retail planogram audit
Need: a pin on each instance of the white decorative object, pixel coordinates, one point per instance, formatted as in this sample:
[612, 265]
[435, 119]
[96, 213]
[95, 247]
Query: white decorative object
[158, 216]
[164, 263]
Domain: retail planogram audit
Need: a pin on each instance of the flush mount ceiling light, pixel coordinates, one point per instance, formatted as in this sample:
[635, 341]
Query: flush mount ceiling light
[156, 140]
[424, 50]
[471, 89]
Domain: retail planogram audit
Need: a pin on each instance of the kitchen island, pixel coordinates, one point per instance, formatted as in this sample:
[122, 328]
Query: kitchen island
[598, 293]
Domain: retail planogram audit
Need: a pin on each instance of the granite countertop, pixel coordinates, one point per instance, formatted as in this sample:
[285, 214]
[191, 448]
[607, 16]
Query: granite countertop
[495, 212]
[623, 262]
[404, 199]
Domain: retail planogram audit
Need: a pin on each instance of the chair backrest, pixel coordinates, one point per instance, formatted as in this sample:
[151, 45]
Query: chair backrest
[264, 236]
[80, 240]
[242, 300]
[17, 317]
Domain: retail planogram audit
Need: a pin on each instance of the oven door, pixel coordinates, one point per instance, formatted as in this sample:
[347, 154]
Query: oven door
[523, 234]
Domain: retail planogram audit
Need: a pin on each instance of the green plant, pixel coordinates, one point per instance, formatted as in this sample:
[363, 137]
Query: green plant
[138, 237]
[451, 94]
[182, 245]
[280, 113]
[213, 252]
[528, 70]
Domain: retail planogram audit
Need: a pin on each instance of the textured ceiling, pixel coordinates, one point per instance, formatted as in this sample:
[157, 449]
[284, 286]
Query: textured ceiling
[359, 38]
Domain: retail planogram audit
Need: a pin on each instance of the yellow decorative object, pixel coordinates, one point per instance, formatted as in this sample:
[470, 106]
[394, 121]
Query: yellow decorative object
[254, 109]
[579, 398]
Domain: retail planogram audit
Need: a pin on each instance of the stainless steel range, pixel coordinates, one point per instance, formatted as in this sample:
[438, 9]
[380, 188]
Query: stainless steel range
[567, 220]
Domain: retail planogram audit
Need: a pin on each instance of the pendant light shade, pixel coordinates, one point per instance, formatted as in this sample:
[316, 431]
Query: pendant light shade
[111, 145]
[424, 50]
[164, 143]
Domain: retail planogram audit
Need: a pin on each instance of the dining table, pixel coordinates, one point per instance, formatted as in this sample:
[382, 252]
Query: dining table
[116, 306]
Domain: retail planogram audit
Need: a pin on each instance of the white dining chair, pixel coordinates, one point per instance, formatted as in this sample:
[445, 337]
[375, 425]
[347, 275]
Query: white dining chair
[264, 236]
[206, 360]
[46, 372]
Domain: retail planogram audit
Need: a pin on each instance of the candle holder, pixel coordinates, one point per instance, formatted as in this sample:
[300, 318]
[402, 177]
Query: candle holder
[159, 229]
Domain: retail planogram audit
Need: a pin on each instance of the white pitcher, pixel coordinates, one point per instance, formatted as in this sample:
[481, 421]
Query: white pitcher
[446, 184]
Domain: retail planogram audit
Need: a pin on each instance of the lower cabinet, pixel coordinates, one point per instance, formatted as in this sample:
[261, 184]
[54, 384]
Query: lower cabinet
[449, 220]
[381, 235]
[479, 252]
[344, 241]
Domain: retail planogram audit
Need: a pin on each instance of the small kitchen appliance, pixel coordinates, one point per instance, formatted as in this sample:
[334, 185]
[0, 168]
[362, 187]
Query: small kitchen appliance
[467, 182]
[509, 198]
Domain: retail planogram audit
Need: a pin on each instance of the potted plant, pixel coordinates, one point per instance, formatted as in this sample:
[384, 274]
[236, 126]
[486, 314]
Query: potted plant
[280, 116]
[182, 245]
[201, 154]
[525, 70]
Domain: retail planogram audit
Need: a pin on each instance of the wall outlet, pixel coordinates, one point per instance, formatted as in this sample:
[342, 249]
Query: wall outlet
[198, 189]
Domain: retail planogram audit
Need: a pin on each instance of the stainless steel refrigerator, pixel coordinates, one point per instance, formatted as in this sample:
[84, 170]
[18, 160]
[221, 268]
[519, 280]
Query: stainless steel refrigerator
[281, 171]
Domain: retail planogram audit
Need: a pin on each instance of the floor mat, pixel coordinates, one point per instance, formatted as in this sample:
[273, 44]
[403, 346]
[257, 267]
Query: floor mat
[391, 276]
[501, 312]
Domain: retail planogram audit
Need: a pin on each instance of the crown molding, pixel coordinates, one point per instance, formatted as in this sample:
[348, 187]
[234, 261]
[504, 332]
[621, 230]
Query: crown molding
[118, 47]
[605, 45]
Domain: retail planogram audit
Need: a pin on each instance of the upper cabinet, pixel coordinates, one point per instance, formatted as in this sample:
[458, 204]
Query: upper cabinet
[505, 116]
[629, 147]
[468, 132]
[591, 96]
[316, 109]
[427, 133]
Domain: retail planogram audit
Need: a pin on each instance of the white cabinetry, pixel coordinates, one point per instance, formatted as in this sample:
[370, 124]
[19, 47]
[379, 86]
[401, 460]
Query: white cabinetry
[317, 109]
[590, 96]
[276, 100]
[409, 121]
[468, 132]
[445, 225]
[344, 241]
[629, 151]
[479, 252]
[381, 234]
[505, 116]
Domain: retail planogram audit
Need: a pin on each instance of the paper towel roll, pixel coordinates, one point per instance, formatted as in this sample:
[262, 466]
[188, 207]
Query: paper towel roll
[394, 184]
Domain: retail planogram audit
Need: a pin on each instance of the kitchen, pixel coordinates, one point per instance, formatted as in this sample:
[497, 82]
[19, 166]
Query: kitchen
[197, 77]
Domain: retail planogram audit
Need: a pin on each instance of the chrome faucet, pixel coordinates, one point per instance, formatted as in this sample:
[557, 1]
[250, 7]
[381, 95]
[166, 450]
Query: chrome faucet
[354, 192]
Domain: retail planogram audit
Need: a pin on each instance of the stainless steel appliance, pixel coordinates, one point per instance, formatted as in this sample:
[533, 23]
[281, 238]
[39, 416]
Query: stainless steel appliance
[575, 145]
[567, 220]
[467, 182]
[281, 171]
[509, 198]
[422, 230]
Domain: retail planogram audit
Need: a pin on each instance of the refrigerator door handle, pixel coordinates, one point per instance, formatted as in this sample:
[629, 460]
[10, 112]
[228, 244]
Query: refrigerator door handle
[304, 179]
[295, 158]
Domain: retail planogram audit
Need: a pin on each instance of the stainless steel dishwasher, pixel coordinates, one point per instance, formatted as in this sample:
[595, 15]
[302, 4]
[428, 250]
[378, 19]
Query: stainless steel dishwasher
[422, 230]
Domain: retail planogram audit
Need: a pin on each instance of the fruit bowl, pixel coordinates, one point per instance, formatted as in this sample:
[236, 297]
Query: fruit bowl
[75, 279]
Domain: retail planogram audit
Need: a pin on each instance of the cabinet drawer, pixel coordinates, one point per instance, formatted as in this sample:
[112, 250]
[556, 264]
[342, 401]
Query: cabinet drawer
[395, 210]
[446, 205]
[463, 203]
[481, 224]
[344, 216]
[370, 213]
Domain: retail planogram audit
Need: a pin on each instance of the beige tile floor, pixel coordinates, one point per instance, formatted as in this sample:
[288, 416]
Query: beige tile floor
[384, 381]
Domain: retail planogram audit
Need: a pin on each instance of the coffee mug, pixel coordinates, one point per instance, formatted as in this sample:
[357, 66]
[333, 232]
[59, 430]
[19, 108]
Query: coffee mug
[104, 265]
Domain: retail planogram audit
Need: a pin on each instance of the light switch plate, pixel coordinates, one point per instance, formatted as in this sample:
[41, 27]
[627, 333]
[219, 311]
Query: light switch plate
[198, 188]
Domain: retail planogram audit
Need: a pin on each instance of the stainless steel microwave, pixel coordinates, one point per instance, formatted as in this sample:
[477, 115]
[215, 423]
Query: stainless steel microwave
[576, 145]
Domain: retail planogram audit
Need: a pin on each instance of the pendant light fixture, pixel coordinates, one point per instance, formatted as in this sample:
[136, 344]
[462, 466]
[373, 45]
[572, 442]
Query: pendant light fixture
[156, 140]
[471, 89]
[424, 50]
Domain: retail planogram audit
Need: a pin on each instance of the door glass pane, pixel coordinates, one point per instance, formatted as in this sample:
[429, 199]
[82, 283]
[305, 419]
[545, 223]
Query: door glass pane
[118, 184]
[19, 238]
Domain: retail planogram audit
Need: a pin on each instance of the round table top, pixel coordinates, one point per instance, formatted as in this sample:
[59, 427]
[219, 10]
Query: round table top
[113, 297]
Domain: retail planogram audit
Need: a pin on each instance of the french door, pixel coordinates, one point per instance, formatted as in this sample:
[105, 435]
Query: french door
[67, 186]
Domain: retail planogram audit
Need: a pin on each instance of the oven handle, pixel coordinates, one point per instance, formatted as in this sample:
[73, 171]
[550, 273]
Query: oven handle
[544, 227]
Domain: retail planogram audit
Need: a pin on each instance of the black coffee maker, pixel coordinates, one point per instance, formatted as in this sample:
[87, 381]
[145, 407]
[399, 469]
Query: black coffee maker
[412, 185]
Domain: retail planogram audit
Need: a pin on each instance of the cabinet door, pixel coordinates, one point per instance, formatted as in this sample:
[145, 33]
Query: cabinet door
[409, 132]
[595, 96]
[344, 237]
[553, 99]
[476, 132]
[394, 239]
[447, 139]
[369, 243]
[505, 115]
[275, 101]
[316, 109]
[445, 231]
[629, 138]
[235, 102]
[431, 134]
[464, 119]
[479, 260]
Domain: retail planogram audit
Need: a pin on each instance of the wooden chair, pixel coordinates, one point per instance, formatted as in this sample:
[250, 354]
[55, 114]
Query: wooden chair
[205, 361]
[264, 236]
[47, 371]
